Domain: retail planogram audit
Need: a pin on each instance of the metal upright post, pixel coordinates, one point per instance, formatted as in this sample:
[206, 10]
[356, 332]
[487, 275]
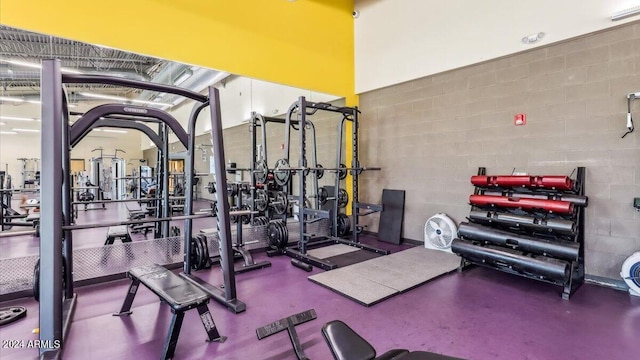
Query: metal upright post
[165, 181]
[354, 175]
[336, 208]
[302, 163]
[188, 194]
[67, 198]
[50, 305]
[224, 230]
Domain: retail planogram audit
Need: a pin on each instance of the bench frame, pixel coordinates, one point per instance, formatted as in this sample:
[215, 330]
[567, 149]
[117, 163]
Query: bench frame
[176, 319]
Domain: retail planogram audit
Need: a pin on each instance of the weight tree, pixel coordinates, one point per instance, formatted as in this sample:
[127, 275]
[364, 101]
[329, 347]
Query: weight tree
[57, 305]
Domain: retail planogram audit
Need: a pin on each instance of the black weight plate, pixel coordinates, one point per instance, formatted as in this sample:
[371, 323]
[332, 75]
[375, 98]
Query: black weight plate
[280, 202]
[283, 235]
[343, 198]
[319, 171]
[36, 278]
[205, 248]
[261, 172]
[280, 176]
[342, 171]
[194, 254]
[344, 223]
[211, 187]
[11, 314]
[322, 195]
[36, 281]
[261, 200]
[272, 234]
[246, 219]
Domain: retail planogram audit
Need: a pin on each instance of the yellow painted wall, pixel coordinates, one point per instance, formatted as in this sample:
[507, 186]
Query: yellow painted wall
[303, 43]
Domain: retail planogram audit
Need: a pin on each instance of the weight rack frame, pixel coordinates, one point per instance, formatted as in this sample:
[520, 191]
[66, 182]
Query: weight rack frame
[348, 114]
[576, 269]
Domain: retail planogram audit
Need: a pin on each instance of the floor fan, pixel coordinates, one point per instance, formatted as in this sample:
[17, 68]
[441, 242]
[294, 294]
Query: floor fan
[439, 232]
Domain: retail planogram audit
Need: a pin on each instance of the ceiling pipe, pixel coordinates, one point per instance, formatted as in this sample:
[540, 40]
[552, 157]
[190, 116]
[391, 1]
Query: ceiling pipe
[12, 73]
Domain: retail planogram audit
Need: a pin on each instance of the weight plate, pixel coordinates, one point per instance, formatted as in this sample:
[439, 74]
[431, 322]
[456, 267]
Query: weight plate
[211, 187]
[36, 278]
[342, 171]
[344, 224]
[281, 172]
[205, 250]
[193, 254]
[36, 281]
[11, 314]
[260, 221]
[319, 171]
[246, 219]
[280, 202]
[343, 198]
[322, 195]
[261, 201]
[272, 234]
[261, 172]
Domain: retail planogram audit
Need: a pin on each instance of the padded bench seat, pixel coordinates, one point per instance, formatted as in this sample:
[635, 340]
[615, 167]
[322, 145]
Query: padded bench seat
[176, 292]
[346, 344]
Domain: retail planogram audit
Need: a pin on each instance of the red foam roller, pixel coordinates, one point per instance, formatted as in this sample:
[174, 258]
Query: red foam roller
[557, 206]
[513, 181]
[548, 182]
[557, 182]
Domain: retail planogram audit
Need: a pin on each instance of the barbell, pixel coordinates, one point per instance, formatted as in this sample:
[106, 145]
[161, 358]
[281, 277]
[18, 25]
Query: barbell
[148, 220]
[342, 198]
[282, 171]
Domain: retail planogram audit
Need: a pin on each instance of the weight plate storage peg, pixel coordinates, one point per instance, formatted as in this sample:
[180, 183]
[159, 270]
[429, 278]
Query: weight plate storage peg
[343, 198]
[11, 314]
[282, 172]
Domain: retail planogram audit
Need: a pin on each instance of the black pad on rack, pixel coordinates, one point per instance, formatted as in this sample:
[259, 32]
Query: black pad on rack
[390, 225]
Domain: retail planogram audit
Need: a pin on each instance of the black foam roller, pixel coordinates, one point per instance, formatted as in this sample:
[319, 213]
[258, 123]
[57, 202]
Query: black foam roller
[553, 269]
[565, 250]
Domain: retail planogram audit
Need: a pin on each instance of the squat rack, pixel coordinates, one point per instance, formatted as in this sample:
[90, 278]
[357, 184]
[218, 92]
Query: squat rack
[303, 109]
[57, 305]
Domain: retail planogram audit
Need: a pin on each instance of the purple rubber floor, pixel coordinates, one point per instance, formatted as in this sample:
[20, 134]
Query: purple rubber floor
[478, 314]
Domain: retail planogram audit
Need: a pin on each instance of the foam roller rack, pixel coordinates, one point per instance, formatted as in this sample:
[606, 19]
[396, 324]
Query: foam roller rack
[531, 226]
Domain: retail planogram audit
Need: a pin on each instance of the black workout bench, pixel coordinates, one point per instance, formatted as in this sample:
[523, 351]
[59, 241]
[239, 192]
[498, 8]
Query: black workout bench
[176, 292]
[346, 344]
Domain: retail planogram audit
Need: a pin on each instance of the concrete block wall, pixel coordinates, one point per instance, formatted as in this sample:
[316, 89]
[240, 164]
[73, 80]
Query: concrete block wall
[431, 134]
